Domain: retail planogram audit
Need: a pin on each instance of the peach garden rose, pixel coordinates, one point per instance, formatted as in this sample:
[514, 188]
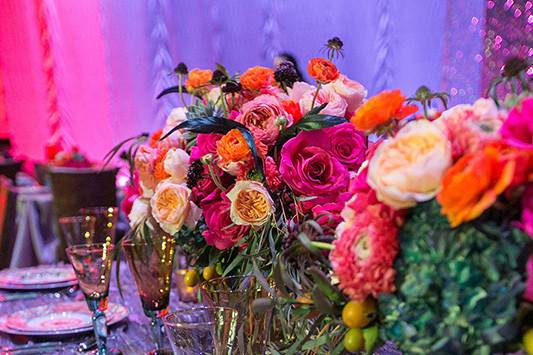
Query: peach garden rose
[176, 164]
[251, 205]
[172, 208]
[409, 167]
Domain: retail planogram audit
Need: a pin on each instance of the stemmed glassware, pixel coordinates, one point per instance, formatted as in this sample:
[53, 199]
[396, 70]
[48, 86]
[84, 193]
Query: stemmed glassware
[78, 229]
[202, 330]
[92, 265]
[106, 219]
[150, 259]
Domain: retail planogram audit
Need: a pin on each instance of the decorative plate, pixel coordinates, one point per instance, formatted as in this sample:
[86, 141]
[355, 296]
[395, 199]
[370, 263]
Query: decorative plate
[65, 318]
[40, 277]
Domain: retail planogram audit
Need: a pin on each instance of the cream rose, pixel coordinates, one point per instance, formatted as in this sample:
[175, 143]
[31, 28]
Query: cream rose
[409, 167]
[175, 140]
[139, 211]
[176, 164]
[172, 208]
[351, 91]
[251, 205]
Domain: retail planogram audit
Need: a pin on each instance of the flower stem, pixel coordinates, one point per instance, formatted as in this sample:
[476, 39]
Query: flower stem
[322, 245]
[316, 94]
[180, 89]
[215, 178]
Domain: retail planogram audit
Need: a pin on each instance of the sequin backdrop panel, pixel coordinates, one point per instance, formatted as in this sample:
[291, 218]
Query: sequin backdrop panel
[509, 33]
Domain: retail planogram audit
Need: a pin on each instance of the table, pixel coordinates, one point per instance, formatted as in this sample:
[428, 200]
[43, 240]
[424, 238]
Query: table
[131, 336]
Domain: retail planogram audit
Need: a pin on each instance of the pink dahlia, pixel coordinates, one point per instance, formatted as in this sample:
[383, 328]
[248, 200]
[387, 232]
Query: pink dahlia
[205, 144]
[272, 174]
[526, 223]
[517, 130]
[471, 127]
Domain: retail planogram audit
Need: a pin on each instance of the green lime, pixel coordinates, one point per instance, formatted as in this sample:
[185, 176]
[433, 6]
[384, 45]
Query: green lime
[191, 278]
[370, 335]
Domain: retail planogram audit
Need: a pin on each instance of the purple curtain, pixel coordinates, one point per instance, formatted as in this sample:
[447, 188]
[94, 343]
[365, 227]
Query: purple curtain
[112, 56]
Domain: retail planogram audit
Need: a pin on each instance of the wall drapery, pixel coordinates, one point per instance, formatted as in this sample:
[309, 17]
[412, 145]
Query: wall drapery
[112, 56]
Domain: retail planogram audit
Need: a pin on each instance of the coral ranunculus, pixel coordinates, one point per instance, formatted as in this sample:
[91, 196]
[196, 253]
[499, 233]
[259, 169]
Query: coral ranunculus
[251, 205]
[233, 152]
[474, 182]
[409, 168]
[366, 247]
[259, 115]
[322, 70]
[381, 109]
[198, 81]
[256, 78]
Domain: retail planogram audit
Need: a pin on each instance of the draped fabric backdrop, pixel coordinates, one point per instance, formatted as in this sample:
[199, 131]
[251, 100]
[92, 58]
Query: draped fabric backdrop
[88, 71]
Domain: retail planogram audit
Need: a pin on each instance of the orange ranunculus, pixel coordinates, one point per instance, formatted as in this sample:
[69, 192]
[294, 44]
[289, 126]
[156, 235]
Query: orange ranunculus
[381, 109]
[322, 70]
[233, 152]
[292, 108]
[475, 181]
[154, 138]
[198, 80]
[159, 166]
[257, 78]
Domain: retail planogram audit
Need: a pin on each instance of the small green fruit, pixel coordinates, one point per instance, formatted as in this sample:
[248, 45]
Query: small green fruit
[370, 335]
[353, 340]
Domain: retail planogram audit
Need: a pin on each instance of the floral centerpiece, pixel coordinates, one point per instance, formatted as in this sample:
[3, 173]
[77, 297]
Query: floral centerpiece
[415, 238]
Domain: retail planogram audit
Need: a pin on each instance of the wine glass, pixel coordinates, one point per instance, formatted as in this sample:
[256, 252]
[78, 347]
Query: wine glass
[78, 229]
[151, 262]
[202, 330]
[92, 265]
[106, 219]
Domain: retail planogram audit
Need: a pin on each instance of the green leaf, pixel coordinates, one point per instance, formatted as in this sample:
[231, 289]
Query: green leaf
[316, 110]
[324, 284]
[315, 343]
[321, 302]
[236, 262]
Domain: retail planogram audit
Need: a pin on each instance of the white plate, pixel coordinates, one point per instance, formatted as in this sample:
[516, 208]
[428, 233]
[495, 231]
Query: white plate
[38, 276]
[65, 318]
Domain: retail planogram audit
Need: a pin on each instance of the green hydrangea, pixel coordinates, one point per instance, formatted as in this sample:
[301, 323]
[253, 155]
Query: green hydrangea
[458, 289]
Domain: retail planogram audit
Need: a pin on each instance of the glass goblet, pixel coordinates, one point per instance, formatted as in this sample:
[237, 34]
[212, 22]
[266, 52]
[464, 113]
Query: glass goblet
[92, 265]
[151, 264]
[202, 330]
[78, 229]
[106, 219]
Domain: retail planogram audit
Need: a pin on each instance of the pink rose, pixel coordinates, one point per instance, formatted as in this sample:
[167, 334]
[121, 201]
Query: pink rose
[309, 168]
[145, 164]
[517, 130]
[260, 115]
[221, 232]
[336, 105]
[131, 192]
[347, 145]
[298, 90]
[471, 127]
[351, 91]
[205, 144]
[328, 215]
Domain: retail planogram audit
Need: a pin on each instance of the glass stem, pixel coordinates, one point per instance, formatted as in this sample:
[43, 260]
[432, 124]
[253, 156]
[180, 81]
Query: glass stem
[156, 326]
[100, 331]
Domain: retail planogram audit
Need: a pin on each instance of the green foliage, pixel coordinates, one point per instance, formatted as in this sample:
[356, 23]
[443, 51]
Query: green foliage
[458, 289]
